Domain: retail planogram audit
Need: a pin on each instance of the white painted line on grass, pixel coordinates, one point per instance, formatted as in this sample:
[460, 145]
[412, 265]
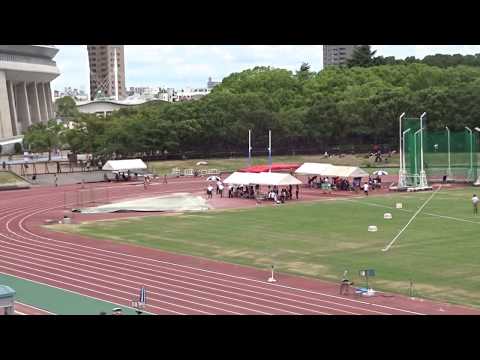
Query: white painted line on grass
[411, 219]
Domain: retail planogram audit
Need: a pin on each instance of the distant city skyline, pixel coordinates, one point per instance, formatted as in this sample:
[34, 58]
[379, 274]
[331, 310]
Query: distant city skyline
[180, 66]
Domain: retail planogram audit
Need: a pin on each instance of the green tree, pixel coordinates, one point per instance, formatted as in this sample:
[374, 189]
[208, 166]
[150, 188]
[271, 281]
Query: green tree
[42, 137]
[304, 72]
[66, 108]
[362, 56]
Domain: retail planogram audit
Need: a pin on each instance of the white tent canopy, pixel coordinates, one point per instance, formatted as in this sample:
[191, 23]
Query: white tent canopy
[240, 178]
[266, 178]
[313, 169]
[279, 179]
[330, 170]
[345, 171]
[124, 165]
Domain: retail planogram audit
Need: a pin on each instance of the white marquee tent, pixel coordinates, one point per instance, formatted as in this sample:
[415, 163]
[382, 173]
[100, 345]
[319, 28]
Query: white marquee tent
[265, 178]
[313, 169]
[124, 165]
[330, 170]
[345, 171]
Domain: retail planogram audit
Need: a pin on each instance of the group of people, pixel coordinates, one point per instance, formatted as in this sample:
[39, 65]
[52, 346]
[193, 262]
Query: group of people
[253, 192]
[285, 194]
[243, 191]
[335, 183]
[219, 189]
[375, 183]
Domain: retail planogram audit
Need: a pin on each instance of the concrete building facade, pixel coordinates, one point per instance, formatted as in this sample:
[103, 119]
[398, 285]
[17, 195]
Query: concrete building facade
[101, 59]
[337, 54]
[25, 94]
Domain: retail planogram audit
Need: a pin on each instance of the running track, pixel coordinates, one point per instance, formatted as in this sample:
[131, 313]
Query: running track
[175, 284]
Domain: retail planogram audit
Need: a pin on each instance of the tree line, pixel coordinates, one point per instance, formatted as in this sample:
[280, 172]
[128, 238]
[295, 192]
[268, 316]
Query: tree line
[356, 105]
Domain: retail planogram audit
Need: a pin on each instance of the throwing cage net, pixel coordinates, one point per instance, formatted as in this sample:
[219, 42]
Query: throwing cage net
[447, 155]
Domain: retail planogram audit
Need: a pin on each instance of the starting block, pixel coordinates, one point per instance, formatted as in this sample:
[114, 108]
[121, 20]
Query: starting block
[387, 216]
[399, 205]
[372, 228]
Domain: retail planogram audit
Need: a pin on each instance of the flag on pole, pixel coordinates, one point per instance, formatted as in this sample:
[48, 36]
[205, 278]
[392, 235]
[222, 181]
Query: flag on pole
[143, 295]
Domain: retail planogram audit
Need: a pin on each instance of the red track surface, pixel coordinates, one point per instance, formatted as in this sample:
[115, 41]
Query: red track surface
[175, 284]
[24, 309]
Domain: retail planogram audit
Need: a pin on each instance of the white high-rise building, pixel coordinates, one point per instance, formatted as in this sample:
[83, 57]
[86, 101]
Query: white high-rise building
[25, 94]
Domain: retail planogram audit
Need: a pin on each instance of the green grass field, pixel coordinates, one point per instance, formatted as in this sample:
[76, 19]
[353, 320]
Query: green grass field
[439, 251]
[165, 167]
[9, 179]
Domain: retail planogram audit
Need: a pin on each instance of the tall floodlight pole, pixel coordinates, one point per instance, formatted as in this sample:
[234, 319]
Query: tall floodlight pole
[115, 71]
[449, 172]
[249, 147]
[423, 175]
[270, 149]
[470, 172]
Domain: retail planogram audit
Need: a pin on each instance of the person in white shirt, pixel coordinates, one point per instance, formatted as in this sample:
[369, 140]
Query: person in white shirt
[365, 188]
[220, 189]
[209, 191]
[475, 204]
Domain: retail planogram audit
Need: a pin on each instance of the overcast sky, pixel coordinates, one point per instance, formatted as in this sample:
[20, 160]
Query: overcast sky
[181, 65]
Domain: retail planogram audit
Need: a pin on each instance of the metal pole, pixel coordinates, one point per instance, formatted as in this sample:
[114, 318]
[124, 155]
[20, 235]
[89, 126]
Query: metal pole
[448, 144]
[421, 140]
[249, 147]
[400, 141]
[415, 146]
[403, 139]
[270, 149]
[471, 151]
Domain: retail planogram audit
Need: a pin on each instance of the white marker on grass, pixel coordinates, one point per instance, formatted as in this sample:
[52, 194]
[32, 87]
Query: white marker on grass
[413, 217]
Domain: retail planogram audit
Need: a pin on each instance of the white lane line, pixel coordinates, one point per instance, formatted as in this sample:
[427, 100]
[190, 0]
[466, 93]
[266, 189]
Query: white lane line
[131, 294]
[15, 270]
[197, 269]
[144, 280]
[35, 308]
[150, 273]
[16, 256]
[67, 290]
[411, 219]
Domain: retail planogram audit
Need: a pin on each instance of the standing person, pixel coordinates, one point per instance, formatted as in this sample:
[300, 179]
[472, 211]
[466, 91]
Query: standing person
[365, 188]
[297, 189]
[290, 190]
[145, 182]
[218, 186]
[165, 179]
[209, 191]
[475, 204]
[55, 180]
[220, 189]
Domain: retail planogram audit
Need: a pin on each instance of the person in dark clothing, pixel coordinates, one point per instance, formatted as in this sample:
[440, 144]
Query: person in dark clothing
[297, 189]
[290, 188]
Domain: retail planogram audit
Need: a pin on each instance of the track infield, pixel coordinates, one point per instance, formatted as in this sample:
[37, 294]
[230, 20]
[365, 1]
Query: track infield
[113, 271]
